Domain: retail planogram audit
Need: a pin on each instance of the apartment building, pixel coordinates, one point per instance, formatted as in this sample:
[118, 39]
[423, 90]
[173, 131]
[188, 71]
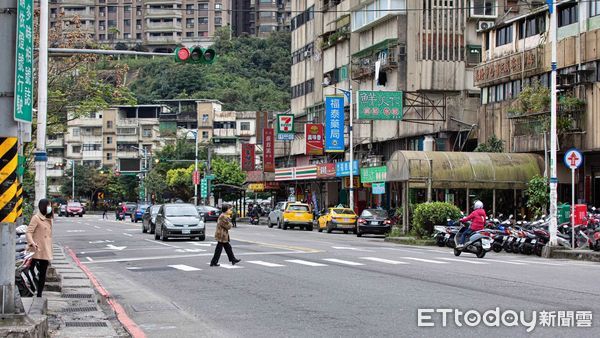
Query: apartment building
[260, 17]
[516, 55]
[429, 54]
[159, 25]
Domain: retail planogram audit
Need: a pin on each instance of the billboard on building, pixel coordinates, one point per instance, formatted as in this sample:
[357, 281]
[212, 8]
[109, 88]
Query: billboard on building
[334, 124]
[268, 149]
[313, 135]
[248, 160]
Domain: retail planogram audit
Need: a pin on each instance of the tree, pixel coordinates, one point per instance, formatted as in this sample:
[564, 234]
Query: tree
[180, 182]
[493, 145]
[227, 172]
[538, 194]
[156, 184]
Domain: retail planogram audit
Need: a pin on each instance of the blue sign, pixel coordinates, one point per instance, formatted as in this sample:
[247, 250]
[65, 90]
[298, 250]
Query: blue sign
[285, 137]
[334, 124]
[342, 169]
[573, 158]
[378, 188]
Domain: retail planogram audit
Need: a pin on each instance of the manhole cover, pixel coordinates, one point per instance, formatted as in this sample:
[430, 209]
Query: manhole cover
[80, 309]
[86, 324]
[77, 295]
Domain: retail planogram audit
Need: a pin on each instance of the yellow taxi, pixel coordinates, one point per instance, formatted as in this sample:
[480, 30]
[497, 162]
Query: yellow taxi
[297, 215]
[338, 218]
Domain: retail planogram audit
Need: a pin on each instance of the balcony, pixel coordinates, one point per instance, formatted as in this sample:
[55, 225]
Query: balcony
[162, 40]
[128, 153]
[56, 143]
[246, 133]
[81, 14]
[163, 27]
[86, 122]
[163, 13]
[224, 133]
[128, 138]
[54, 172]
[363, 62]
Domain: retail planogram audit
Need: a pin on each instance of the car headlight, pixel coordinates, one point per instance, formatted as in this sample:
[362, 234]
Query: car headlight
[168, 223]
[201, 224]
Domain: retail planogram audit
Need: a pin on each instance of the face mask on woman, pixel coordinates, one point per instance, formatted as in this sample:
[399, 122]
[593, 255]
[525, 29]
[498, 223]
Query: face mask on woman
[48, 210]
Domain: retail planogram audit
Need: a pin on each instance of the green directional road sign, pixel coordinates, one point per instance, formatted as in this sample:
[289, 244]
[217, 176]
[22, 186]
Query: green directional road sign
[23, 107]
[210, 177]
[204, 188]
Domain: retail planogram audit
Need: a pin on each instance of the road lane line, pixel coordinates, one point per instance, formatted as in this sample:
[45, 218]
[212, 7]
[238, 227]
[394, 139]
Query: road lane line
[340, 261]
[200, 244]
[183, 267]
[382, 260]
[350, 248]
[267, 264]
[423, 260]
[461, 260]
[307, 263]
[161, 243]
[505, 262]
[535, 262]
[208, 254]
[109, 230]
[89, 259]
[97, 227]
[126, 234]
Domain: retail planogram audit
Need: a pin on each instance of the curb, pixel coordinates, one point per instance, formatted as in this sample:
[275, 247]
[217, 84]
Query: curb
[579, 255]
[410, 241]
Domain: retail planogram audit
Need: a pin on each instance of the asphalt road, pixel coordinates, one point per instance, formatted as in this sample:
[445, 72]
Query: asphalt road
[308, 284]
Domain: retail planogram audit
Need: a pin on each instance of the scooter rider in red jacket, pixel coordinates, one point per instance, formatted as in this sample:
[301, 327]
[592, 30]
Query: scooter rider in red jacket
[477, 218]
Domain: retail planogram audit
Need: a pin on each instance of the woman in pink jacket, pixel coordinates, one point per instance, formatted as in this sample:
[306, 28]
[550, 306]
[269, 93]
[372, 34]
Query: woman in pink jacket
[477, 218]
[39, 239]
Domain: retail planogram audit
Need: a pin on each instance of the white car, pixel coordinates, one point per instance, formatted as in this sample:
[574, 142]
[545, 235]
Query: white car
[276, 214]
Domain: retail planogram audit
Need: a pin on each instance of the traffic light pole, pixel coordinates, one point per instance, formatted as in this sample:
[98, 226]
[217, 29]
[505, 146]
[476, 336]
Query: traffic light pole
[8, 135]
[196, 170]
[40, 154]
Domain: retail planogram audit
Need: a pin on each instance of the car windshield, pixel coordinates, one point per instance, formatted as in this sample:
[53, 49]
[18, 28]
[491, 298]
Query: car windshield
[155, 210]
[75, 204]
[343, 211]
[374, 213]
[297, 207]
[143, 206]
[181, 210]
[131, 206]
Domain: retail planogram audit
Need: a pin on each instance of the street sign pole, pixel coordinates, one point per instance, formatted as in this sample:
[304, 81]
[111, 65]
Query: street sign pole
[40, 154]
[573, 160]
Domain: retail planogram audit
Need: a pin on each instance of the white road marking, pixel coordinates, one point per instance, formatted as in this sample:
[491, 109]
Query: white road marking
[382, 260]
[227, 266]
[184, 267]
[75, 230]
[308, 263]
[89, 259]
[118, 248]
[109, 230]
[505, 262]
[267, 264]
[104, 241]
[97, 227]
[334, 260]
[535, 262]
[190, 250]
[136, 229]
[350, 248]
[126, 234]
[199, 244]
[161, 243]
[424, 260]
[134, 268]
[135, 259]
[461, 260]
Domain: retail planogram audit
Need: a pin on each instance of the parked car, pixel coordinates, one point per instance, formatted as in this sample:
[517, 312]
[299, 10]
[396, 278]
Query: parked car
[179, 220]
[149, 219]
[74, 208]
[208, 213]
[138, 212]
[297, 215]
[337, 219]
[373, 221]
[276, 214]
[62, 210]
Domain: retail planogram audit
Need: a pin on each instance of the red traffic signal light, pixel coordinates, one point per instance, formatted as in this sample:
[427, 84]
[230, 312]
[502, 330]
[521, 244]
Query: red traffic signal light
[182, 54]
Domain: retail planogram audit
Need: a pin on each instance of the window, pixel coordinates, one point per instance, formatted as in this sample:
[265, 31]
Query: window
[109, 124]
[108, 156]
[75, 131]
[218, 21]
[473, 55]
[532, 26]
[127, 36]
[102, 36]
[127, 22]
[266, 14]
[203, 6]
[483, 8]
[126, 131]
[189, 9]
[203, 20]
[594, 8]
[189, 34]
[205, 135]
[112, 9]
[92, 147]
[109, 140]
[76, 149]
[218, 6]
[204, 117]
[567, 14]
[244, 125]
[147, 132]
[503, 36]
[127, 8]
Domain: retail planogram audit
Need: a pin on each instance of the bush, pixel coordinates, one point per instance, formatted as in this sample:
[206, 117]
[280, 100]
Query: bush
[427, 215]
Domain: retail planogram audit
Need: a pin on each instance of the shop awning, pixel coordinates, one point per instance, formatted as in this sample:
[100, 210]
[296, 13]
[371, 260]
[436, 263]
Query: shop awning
[459, 170]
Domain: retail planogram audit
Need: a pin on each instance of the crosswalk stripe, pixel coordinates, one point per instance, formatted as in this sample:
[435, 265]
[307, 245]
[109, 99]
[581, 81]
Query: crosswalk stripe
[334, 260]
[308, 263]
[461, 260]
[267, 264]
[424, 260]
[383, 260]
[227, 266]
[184, 267]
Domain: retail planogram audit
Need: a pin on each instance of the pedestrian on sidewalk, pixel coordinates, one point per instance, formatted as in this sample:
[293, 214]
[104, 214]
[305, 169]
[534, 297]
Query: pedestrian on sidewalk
[234, 217]
[105, 210]
[39, 239]
[222, 237]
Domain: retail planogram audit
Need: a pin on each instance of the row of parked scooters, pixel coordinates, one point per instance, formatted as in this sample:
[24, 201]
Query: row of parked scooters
[25, 275]
[525, 237]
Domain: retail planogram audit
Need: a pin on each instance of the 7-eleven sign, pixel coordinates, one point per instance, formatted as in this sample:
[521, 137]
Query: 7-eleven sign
[285, 127]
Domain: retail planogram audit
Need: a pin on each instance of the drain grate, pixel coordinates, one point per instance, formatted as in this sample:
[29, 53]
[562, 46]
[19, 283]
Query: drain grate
[80, 309]
[77, 295]
[86, 324]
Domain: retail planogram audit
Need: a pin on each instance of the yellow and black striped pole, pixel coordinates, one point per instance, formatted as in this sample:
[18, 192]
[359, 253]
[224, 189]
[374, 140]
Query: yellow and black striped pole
[19, 206]
[8, 179]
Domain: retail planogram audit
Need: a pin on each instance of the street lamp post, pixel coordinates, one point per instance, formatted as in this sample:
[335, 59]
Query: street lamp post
[73, 181]
[196, 169]
[553, 121]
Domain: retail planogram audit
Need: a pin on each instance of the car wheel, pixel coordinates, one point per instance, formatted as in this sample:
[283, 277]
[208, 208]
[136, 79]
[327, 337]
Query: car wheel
[457, 252]
[156, 235]
[329, 228]
[355, 231]
[163, 235]
[80, 215]
[144, 230]
[309, 227]
[284, 226]
[359, 234]
[202, 238]
[320, 229]
[151, 229]
[346, 232]
[270, 225]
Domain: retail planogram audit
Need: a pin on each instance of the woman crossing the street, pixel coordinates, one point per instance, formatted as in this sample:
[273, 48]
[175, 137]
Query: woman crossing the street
[222, 237]
[39, 239]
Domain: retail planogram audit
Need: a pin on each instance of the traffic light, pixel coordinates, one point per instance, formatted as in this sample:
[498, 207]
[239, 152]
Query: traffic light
[195, 54]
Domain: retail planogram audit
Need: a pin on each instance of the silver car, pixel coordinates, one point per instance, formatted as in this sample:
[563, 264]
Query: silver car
[179, 220]
[277, 214]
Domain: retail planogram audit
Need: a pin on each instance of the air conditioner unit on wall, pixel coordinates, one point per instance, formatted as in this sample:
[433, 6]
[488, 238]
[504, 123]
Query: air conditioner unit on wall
[483, 25]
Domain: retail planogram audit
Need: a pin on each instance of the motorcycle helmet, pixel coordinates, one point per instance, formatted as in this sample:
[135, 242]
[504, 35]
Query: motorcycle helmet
[478, 205]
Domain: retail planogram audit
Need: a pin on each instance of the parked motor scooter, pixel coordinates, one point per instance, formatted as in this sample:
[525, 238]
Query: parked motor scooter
[254, 220]
[478, 243]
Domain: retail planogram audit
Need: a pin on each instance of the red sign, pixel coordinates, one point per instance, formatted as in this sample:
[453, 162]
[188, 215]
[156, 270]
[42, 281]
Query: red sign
[196, 177]
[248, 162]
[313, 132]
[269, 150]
[271, 185]
[255, 176]
[325, 170]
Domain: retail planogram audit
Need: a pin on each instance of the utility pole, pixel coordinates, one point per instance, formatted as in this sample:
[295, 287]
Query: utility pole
[8, 154]
[196, 173]
[73, 181]
[553, 141]
[40, 154]
[351, 136]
